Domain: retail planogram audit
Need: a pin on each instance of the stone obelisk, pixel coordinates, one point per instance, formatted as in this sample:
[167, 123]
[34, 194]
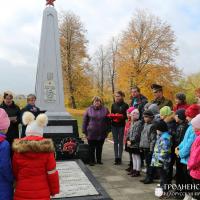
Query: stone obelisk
[49, 81]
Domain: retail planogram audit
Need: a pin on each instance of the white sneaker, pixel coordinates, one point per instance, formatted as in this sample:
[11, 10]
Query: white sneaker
[193, 199]
[187, 197]
[158, 191]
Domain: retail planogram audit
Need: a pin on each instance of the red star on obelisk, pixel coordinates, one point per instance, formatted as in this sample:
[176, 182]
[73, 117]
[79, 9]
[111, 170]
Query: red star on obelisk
[50, 2]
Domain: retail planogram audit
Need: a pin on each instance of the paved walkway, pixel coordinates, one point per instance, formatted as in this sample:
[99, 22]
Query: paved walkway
[115, 180]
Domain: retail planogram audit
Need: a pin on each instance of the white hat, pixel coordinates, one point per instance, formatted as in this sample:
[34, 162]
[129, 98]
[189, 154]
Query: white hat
[196, 122]
[135, 113]
[34, 127]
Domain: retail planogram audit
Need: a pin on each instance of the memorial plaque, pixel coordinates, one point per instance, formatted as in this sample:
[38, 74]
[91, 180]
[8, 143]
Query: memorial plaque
[77, 182]
[73, 181]
[50, 91]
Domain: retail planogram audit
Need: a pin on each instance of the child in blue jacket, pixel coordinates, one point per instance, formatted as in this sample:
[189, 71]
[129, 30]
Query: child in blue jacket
[162, 152]
[6, 177]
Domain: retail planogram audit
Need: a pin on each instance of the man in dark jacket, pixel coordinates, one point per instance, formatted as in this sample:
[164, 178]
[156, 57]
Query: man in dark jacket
[138, 100]
[159, 99]
[14, 113]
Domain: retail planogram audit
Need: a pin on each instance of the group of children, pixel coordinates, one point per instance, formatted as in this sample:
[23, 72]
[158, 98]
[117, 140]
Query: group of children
[162, 138]
[30, 172]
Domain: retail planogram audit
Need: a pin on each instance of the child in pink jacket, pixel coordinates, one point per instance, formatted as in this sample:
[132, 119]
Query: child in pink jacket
[194, 160]
[126, 130]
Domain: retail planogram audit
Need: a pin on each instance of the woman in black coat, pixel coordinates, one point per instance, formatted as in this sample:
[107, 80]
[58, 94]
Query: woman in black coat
[13, 112]
[119, 107]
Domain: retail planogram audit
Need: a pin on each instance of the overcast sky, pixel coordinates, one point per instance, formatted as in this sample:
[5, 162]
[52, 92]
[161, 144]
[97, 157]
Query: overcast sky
[20, 26]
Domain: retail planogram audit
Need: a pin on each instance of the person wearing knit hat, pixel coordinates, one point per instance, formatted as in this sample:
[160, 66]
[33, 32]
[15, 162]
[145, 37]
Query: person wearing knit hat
[181, 128]
[147, 142]
[167, 115]
[180, 100]
[161, 126]
[165, 112]
[162, 152]
[184, 148]
[196, 123]
[6, 177]
[181, 114]
[155, 110]
[133, 142]
[40, 166]
[194, 160]
[126, 131]
[192, 111]
[148, 113]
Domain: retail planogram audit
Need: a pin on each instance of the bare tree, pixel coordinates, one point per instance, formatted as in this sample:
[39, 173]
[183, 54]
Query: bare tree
[100, 64]
[73, 51]
[112, 62]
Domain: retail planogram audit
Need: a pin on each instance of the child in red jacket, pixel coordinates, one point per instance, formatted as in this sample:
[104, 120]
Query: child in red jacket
[34, 165]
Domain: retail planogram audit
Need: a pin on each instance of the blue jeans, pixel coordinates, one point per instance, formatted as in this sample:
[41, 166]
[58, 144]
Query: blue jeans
[118, 136]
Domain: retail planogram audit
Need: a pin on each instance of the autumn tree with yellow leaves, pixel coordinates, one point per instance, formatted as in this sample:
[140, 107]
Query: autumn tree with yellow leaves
[146, 55]
[76, 70]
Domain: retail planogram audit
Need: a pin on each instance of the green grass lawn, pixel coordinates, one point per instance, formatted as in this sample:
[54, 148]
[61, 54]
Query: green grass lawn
[78, 115]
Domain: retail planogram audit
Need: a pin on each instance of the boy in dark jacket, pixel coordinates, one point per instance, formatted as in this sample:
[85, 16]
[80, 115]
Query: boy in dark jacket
[6, 178]
[147, 142]
[182, 126]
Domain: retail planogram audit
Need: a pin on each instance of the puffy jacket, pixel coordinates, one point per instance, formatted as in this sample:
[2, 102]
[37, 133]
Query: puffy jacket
[185, 145]
[135, 134]
[194, 160]
[162, 151]
[180, 132]
[148, 137]
[34, 168]
[96, 124]
[6, 177]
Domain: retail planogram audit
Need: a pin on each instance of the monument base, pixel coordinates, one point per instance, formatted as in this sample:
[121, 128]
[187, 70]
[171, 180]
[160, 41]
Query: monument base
[78, 183]
[58, 115]
[61, 126]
